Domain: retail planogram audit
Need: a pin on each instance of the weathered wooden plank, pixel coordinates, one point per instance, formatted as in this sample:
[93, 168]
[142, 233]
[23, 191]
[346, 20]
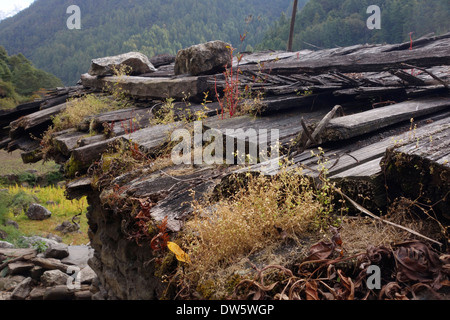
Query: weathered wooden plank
[65, 143]
[32, 156]
[150, 87]
[365, 184]
[420, 169]
[361, 59]
[152, 138]
[372, 120]
[139, 116]
[78, 188]
[82, 157]
[36, 119]
[149, 140]
[24, 143]
[338, 159]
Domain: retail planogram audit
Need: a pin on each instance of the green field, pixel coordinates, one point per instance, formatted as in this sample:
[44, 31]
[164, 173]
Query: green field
[14, 199]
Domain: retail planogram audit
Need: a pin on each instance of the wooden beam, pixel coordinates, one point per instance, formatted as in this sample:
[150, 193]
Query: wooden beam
[372, 120]
[148, 87]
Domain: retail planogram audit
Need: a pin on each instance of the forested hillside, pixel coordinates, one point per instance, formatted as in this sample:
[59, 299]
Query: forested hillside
[19, 79]
[331, 23]
[110, 27]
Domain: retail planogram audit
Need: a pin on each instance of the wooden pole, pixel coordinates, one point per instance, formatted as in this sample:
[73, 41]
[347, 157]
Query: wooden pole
[291, 32]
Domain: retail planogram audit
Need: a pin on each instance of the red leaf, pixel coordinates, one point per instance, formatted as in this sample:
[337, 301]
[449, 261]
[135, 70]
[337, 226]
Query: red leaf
[311, 291]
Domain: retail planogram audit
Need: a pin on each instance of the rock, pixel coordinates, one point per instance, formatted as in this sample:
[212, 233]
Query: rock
[22, 290]
[37, 293]
[6, 245]
[79, 256]
[57, 251]
[5, 295]
[19, 267]
[138, 62]
[83, 295]
[33, 240]
[54, 237]
[3, 234]
[205, 58]
[11, 223]
[87, 275]
[36, 272]
[67, 227]
[50, 264]
[54, 277]
[59, 292]
[9, 283]
[38, 212]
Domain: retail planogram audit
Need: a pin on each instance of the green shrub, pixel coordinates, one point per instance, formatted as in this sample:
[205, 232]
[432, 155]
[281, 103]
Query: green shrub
[21, 201]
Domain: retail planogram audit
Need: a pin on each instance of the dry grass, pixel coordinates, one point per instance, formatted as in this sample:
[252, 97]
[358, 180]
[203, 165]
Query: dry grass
[78, 109]
[257, 218]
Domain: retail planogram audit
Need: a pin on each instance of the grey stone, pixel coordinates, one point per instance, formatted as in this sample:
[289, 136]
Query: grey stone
[54, 237]
[36, 239]
[59, 292]
[138, 62]
[6, 245]
[57, 251]
[37, 293]
[10, 222]
[54, 277]
[22, 290]
[9, 283]
[83, 295]
[87, 275]
[19, 267]
[38, 212]
[205, 58]
[67, 227]
[79, 256]
[3, 234]
[36, 272]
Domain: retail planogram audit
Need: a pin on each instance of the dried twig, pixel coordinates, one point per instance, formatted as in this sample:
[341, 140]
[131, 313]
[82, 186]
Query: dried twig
[314, 138]
[370, 214]
[445, 84]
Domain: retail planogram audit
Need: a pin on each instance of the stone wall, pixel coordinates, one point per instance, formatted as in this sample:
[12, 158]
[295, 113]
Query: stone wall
[126, 271]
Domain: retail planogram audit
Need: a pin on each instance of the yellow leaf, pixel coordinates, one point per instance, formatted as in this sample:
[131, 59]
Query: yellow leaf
[179, 253]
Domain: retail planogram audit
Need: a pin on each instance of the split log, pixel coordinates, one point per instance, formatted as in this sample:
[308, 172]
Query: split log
[372, 120]
[78, 188]
[139, 117]
[364, 183]
[146, 87]
[151, 139]
[271, 105]
[32, 156]
[66, 142]
[81, 158]
[26, 144]
[36, 121]
[420, 169]
[361, 59]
